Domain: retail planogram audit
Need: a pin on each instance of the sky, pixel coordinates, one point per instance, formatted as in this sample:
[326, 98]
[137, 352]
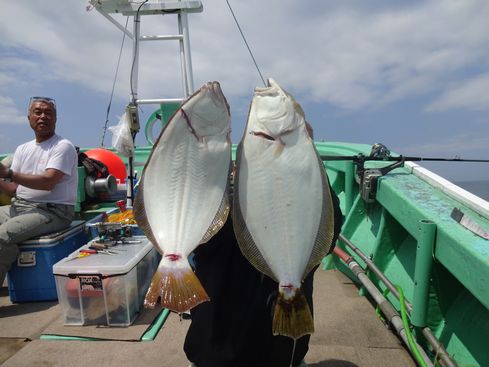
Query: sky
[412, 75]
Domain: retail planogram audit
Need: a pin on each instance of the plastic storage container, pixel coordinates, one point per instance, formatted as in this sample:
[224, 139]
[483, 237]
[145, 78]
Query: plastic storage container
[103, 289]
[31, 277]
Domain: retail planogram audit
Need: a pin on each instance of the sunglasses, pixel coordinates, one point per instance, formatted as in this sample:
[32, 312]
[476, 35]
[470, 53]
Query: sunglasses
[42, 99]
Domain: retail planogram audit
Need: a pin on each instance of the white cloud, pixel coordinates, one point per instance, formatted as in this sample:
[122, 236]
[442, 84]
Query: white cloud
[42, 47]
[10, 114]
[378, 63]
[350, 56]
[358, 57]
[471, 94]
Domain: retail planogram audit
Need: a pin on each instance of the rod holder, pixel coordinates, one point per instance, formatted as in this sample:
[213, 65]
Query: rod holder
[422, 271]
[349, 180]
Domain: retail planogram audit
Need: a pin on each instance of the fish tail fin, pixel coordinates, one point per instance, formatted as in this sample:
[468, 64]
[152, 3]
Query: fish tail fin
[292, 317]
[153, 292]
[179, 289]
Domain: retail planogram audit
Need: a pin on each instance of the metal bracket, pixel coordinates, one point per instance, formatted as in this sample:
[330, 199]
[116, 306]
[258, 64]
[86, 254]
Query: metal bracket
[368, 178]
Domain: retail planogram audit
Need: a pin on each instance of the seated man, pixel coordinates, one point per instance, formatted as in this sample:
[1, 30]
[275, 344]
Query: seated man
[42, 182]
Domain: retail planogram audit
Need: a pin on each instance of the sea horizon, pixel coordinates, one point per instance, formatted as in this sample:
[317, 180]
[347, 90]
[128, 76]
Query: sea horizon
[479, 188]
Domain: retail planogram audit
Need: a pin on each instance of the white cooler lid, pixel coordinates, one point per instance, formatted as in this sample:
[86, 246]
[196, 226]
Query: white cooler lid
[127, 256]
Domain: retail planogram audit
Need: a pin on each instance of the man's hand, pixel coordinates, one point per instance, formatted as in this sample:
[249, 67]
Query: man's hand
[3, 170]
[6, 187]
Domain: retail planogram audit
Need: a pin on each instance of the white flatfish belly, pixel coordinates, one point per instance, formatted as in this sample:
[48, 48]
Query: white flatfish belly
[182, 199]
[282, 205]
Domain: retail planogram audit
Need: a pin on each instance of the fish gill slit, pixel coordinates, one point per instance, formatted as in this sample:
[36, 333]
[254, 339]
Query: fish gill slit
[282, 134]
[187, 119]
[263, 135]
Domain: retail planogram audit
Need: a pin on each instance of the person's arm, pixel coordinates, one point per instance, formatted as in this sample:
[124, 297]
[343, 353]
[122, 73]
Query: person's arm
[338, 218]
[7, 187]
[45, 181]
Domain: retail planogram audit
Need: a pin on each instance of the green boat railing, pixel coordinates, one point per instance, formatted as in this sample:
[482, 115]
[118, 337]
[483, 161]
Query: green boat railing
[409, 236]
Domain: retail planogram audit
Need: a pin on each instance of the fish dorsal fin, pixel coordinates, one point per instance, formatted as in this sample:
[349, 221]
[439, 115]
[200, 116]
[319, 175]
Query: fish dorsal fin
[245, 240]
[221, 216]
[140, 214]
[325, 233]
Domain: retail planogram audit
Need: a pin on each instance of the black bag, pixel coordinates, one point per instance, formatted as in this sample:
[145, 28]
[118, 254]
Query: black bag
[94, 167]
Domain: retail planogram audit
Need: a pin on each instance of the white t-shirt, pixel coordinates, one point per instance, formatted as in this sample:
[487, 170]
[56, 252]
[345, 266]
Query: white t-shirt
[34, 158]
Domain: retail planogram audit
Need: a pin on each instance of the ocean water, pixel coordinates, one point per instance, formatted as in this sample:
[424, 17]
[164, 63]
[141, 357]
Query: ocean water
[479, 188]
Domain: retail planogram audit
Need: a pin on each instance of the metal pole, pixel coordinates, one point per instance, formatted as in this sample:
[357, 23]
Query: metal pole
[135, 55]
[445, 359]
[387, 309]
[349, 180]
[374, 269]
[185, 56]
[422, 272]
[134, 94]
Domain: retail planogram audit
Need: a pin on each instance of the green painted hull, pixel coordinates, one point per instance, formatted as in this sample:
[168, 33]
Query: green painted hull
[444, 273]
[448, 283]
[390, 232]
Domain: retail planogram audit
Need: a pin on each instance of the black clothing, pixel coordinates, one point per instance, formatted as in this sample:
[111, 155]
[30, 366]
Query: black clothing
[234, 329]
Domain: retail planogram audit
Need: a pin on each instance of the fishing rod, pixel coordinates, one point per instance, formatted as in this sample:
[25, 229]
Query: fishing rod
[362, 157]
[381, 153]
[367, 177]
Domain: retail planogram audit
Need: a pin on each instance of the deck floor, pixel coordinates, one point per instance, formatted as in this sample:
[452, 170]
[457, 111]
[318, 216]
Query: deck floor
[348, 334]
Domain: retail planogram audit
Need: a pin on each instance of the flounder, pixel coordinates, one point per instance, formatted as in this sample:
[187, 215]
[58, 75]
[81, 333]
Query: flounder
[282, 208]
[182, 200]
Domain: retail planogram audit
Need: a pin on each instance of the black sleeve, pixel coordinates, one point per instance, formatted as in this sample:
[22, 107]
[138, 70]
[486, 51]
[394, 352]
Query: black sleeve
[235, 327]
[338, 218]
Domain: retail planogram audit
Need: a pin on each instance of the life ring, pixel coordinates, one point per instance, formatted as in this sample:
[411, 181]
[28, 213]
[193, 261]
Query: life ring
[148, 130]
[161, 115]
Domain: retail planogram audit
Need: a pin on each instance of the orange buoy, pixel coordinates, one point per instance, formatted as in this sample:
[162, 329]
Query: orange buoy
[114, 163]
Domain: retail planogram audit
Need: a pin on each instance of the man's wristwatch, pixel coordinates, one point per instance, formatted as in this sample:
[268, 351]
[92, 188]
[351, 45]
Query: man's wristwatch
[9, 174]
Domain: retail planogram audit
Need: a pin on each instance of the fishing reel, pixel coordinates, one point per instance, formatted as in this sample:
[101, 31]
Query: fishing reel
[113, 231]
[380, 151]
[367, 178]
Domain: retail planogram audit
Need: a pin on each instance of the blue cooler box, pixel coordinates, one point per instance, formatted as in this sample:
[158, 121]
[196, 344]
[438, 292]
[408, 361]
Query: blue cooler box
[31, 277]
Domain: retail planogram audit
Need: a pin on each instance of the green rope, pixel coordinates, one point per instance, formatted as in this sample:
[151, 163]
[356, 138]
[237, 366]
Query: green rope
[405, 323]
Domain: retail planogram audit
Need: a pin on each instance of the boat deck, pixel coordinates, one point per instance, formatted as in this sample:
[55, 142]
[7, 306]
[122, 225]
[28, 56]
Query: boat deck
[348, 334]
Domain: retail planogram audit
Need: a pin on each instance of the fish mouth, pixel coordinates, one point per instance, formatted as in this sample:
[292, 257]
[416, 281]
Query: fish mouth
[270, 102]
[207, 111]
[271, 84]
[214, 107]
[217, 96]
[276, 108]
